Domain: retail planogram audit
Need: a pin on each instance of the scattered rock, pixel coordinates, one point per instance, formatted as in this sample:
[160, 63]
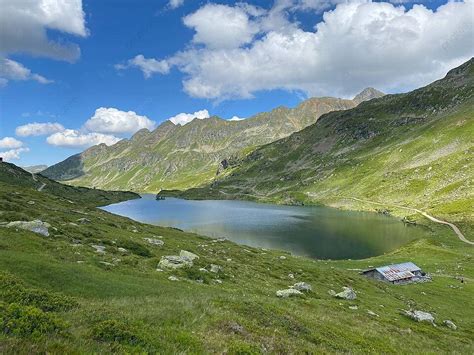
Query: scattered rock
[159, 270]
[100, 249]
[155, 241]
[122, 250]
[373, 314]
[282, 257]
[302, 286]
[332, 293]
[173, 278]
[35, 226]
[73, 224]
[288, 293]
[229, 259]
[354, 308]
[236, 328]
[175, 261]
[215, 268]
[217, 281]
[450, 324]
[420, 316]
[203, 269]
[291, 276]
[31, 202]
[84, 220]
[188, 255]
[347, 294]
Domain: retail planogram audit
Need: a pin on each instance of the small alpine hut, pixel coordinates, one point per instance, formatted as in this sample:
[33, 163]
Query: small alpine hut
[397, 273]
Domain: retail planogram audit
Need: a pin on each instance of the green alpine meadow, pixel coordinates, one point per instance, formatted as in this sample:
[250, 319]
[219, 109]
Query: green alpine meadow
[236, 178]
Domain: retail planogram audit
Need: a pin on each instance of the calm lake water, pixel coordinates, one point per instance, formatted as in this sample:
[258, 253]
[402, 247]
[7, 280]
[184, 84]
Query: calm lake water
[317, 232]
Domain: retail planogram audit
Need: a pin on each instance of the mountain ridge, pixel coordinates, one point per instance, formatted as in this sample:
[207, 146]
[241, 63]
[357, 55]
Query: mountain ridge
[174, 156]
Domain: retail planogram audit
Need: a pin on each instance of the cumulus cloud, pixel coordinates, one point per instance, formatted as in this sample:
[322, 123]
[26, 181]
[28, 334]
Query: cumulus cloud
[38, 129]
[174, 4]
[13, 154]
[71, 138]
[183, 118]
[25, 27]
[10, 143]
[221, 26]
[111, 120]
[357, 44]
[25, 24]
[147, 66]
[11, 70]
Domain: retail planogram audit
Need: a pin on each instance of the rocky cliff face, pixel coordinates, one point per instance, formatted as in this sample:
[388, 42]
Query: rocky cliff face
[181, 157]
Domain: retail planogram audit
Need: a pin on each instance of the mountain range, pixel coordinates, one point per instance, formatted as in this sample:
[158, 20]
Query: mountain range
[181, 157]
[412, 149]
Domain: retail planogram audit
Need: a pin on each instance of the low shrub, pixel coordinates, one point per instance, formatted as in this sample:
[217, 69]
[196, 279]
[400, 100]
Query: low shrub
[115, 331]
[135, 248]
[28, 321]
[13, 290]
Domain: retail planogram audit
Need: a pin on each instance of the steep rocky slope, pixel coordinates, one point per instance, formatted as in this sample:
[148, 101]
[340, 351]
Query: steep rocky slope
[413, 149]
[185, 156]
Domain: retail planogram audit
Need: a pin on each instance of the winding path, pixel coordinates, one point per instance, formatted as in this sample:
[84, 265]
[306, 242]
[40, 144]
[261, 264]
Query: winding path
[431, 218]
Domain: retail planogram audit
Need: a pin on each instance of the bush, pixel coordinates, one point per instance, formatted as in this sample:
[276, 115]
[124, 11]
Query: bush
[28, 321]
[135, 248]
[115, 331]
[12, 290]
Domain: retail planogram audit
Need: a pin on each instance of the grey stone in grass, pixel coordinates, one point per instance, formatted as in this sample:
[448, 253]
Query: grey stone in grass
[288, 293]
[35, 226]
[302, 286]
[420, 316]
[450, 324]
[346, 294]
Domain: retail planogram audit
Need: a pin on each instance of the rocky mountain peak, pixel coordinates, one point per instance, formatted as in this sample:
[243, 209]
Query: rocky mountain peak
[367, 94]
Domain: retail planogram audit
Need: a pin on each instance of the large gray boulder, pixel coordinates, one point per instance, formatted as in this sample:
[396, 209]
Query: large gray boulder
[347, 294]
[174, 262]
[188, 255]
[420, 316]
[35, 226]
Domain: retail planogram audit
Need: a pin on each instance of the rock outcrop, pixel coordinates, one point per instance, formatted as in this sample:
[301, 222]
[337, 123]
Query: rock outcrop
[35, 226]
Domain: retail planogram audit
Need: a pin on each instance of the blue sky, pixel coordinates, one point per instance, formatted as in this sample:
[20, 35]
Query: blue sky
[161, 59]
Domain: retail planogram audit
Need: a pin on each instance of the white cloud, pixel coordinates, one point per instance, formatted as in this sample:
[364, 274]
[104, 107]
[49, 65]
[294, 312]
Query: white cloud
[147, 66]
[11, 70]
[174, 4]
[111, 120]
[13, 154]
[358, 44]
[71, 138]
[10, 143]
[220, 26]
[183, 118]
[236, 118]
[25, 24]
[38, 129]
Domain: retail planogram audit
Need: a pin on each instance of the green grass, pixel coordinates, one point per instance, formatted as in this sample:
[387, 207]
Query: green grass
[128, 306]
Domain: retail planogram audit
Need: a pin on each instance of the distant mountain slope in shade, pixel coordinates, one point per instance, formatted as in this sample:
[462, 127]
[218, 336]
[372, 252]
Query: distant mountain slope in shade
[414, 149]
[35, 168]
[175, 156]
[15, 176]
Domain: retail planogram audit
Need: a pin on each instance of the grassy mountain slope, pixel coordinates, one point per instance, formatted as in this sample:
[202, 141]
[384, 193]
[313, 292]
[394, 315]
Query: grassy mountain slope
[16, 176]
[186, 156]
[58, 295]
[412, 149]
